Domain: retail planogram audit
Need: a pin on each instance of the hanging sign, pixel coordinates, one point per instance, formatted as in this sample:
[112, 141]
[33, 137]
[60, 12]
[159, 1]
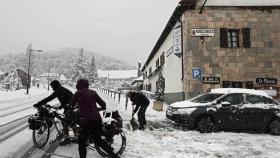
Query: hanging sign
[177, 32]
[177, 40]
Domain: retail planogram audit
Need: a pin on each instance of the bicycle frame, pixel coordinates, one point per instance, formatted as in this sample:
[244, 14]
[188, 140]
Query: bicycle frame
[62, 120]
[111, 128]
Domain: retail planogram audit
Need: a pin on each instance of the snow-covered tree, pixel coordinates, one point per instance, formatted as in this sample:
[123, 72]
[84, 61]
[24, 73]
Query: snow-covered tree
[92, 73]
[80, 67]
[160, 87]
[139, 69]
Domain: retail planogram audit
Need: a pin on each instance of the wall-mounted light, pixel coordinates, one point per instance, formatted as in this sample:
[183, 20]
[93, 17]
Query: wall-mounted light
[201, 39]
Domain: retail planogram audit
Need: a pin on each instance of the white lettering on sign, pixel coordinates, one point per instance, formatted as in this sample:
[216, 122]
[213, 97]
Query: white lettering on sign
[202, 32]
[196, 73]
[177, 40]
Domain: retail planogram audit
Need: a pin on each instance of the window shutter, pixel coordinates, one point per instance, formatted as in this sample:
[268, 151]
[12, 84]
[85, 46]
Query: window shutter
[162, 59]
[223, 38]
[246, 37]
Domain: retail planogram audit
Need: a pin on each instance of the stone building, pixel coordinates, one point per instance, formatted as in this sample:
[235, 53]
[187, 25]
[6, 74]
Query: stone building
[226, 43]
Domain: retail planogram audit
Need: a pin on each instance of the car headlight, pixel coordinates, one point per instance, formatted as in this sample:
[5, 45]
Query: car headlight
[170, 108]
[186, 110]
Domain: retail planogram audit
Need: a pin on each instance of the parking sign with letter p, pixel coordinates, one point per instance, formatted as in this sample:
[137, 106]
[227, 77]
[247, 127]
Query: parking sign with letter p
[196, 73]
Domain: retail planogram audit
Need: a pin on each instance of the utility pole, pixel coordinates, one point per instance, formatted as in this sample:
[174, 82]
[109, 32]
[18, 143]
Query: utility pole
[49, 71]
[29, 50]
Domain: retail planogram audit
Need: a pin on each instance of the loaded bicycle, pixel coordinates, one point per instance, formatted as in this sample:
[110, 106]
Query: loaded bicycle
[48, 118]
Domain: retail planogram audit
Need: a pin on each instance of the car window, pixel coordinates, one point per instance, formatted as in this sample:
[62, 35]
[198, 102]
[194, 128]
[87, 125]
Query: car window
[269, 101]
[234, 99]
[207, 97]
[254, 99]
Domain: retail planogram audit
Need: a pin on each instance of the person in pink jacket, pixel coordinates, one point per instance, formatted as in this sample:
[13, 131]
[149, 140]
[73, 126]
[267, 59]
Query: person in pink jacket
[90, 119]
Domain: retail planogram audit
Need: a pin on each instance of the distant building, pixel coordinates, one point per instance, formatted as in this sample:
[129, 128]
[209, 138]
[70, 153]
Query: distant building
[13, 80]
[217, 43]
[138, 82]
[63, 79]
[114, 79]
[46, 78]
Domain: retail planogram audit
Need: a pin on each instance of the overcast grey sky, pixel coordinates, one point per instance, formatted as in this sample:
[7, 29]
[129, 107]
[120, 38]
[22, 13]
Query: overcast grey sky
[125, 29]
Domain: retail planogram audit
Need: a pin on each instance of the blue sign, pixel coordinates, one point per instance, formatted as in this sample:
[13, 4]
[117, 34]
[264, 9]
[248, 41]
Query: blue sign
[196, 73]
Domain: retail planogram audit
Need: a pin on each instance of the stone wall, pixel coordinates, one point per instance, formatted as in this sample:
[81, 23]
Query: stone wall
[234, 64]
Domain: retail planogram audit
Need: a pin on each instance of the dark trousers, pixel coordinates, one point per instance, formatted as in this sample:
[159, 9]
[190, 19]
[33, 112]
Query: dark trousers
[141, 115]
[65, 126]
[93, 128]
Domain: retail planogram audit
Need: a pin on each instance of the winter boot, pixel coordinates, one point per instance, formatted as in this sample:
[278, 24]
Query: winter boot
[141, 127]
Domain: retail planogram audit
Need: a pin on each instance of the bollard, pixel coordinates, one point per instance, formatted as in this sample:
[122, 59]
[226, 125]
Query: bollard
[119, 97]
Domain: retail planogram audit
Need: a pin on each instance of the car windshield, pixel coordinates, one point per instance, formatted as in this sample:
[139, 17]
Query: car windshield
[207, 97]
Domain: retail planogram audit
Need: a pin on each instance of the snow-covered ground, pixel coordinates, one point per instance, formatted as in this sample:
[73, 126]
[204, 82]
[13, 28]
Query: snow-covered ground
[6, 96]
[161, 140]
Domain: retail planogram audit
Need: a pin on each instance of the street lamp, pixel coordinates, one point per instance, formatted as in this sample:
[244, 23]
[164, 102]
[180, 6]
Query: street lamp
[49, 71]
[29, 50]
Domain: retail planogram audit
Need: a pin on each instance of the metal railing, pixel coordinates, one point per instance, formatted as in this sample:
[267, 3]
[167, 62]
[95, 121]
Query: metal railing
[114, 94]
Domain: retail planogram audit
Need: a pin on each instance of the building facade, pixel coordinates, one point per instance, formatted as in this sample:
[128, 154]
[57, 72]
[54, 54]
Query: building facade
[163, 60]
[225, 43]
[114, 79]
[46, 78]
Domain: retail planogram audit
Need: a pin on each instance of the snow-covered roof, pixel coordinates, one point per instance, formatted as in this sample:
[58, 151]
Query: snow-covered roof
[117, 73]
[242, 3]
[139, 79]
[49, 74]
[238, 90]
[62, 78]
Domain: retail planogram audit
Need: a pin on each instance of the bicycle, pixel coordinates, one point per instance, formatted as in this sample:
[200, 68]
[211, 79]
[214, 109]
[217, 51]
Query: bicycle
[47, 117]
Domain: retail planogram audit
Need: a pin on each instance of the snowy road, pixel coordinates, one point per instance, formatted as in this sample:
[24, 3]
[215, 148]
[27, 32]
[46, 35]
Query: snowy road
[161, 140]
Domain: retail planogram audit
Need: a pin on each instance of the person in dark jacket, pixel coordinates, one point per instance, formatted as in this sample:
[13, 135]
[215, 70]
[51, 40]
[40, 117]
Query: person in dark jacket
[90, 119]
[141, 102]
[64, 96]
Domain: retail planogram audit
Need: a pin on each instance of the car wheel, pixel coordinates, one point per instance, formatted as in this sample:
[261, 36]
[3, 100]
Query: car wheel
[205, 124]
[274, 127]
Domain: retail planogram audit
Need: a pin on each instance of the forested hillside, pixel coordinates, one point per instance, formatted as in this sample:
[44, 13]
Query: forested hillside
[61, 61]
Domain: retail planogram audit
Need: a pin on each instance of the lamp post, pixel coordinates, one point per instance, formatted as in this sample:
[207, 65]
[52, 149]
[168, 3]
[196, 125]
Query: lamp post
[29, 50]
[49, 71]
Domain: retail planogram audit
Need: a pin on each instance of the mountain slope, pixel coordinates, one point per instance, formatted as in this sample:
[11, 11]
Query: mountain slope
[60, 61]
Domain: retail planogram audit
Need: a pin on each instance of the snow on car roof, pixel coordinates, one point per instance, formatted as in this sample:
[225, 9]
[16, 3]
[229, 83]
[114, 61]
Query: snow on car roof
[239, 90]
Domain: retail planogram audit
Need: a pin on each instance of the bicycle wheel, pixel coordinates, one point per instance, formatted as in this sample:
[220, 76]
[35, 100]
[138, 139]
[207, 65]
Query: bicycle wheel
[118, 143]
[40, 137]
[59, 128]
